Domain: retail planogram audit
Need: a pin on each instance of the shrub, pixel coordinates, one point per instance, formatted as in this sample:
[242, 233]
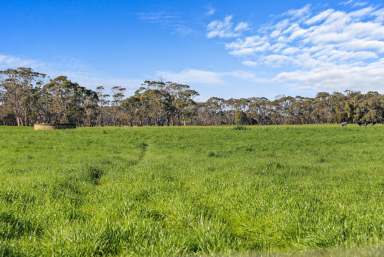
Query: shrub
[95, 174]
[238, 127]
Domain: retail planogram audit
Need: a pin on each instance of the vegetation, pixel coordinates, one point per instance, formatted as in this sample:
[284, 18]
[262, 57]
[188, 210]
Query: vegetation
[190, 191]
[26, 97]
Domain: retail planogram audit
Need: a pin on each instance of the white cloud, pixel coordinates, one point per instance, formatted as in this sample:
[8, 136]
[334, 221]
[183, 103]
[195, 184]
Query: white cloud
[340, 77]
[359, 44]
[8, 61]
[248, 46]
[328, 48]
[244, 75]
[241, 27]
[207, 77]
[249, 63]
[319, 17]
[276, 59]
[299, 13]
[210, 11]
[192, 76]
[354, 3]
[171, 21]
[226, 28]
[93, 79]
[379, 15]
[73, 68]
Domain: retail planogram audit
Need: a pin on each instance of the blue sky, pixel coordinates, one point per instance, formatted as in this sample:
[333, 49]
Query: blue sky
[221, 48]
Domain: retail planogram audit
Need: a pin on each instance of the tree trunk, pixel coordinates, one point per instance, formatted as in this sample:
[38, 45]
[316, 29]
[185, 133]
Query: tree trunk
[19, 121]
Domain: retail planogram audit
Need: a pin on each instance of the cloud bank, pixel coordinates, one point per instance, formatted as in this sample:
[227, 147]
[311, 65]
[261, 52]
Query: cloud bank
[326, 49]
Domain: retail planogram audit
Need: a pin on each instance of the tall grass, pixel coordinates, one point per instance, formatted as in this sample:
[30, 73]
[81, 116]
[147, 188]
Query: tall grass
[193, 191]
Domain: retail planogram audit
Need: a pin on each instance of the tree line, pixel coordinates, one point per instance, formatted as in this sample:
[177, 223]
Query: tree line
[28, 97]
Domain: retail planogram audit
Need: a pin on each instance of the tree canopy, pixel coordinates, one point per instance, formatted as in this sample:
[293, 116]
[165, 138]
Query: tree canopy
[28, 97]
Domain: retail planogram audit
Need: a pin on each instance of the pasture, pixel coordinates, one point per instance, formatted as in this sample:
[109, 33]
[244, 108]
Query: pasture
[190, 191]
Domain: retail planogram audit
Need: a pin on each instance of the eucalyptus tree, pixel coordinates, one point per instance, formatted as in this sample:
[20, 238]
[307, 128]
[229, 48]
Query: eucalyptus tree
[182, 100]
[18, 89]
[103, 103]
[25, 99]
[68, 102]
[161, 103]
[117, 115]
[215, 111]
[92, 110]
[154, 103]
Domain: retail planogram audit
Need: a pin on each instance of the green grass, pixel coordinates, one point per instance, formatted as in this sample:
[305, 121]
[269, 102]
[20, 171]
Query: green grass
[194, 191]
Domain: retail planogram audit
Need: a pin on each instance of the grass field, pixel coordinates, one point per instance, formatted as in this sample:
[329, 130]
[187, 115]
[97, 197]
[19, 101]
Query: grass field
[190, 191]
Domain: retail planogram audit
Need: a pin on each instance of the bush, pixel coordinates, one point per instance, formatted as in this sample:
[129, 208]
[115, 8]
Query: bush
[238, 127]
[95, 174]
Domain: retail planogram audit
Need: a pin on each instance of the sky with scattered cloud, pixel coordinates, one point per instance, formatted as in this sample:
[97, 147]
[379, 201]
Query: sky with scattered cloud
[220, 48]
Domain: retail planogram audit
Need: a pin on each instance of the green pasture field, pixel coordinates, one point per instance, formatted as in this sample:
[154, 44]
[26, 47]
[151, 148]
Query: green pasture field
[191, 191]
